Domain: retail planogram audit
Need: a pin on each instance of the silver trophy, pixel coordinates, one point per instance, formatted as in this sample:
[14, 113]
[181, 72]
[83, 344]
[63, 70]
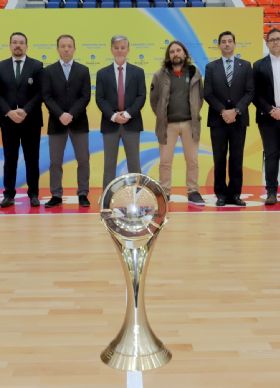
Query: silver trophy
[134, 209]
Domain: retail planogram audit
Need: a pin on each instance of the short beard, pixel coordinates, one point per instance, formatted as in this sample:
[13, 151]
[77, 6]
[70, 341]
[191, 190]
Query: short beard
[17, 54]
[178, 61]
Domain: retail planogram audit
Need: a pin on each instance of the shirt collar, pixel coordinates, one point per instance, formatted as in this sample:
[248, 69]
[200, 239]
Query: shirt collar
[225, 59]
[19, 59]
[70, 63]
[178, 73]
[116, 66]
[274, 58]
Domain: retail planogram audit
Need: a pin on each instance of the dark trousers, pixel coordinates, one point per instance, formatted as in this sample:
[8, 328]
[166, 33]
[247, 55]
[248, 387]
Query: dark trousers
[131, 142]
[29, 139]
[230, 137]
[57, 144]
[270, 134]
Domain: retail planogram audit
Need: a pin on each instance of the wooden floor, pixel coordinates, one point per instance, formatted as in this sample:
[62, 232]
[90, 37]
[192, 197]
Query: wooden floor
[213, 297]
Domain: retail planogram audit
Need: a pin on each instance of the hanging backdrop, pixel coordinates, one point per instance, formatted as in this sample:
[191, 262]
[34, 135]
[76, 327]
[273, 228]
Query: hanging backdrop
[149, 32]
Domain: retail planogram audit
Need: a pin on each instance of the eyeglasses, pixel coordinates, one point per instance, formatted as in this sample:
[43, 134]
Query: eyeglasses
[274, 40]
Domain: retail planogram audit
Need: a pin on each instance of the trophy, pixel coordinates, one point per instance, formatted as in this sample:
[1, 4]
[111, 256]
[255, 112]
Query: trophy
[133, 209]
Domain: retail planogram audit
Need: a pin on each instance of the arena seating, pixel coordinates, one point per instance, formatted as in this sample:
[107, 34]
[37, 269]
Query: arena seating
[271, 12]
[3, 3]
[122, 3]
[271, 7]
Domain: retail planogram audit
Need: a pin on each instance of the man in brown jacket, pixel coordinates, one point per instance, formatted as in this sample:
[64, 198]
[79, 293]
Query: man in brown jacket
[176, 98]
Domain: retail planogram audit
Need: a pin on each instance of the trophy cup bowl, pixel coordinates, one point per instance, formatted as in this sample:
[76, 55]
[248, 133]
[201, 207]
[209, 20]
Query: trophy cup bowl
[134, 210]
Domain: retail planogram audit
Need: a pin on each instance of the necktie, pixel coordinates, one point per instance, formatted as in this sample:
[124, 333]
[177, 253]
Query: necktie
[120, 90]
[66, 69]
[18, 62]
[229, 71]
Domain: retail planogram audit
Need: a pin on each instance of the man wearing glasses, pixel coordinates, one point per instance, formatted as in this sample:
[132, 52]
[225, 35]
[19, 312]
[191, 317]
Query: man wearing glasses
[267, 101]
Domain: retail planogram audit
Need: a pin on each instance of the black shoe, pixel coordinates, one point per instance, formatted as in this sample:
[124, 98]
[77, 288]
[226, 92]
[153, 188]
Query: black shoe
[271, 199]
[195, 198]
[236, 200]
[83, 201]
[7, 201]
[221, 201]
[34, 202]
[54, 201]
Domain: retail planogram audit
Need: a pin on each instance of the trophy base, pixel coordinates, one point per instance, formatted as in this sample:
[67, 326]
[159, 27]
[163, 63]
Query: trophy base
[121, 361]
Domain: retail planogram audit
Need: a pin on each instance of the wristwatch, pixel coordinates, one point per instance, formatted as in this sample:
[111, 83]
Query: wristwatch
[237, 111]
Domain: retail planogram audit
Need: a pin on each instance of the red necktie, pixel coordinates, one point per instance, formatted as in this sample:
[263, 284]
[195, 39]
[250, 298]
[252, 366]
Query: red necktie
[120, 90]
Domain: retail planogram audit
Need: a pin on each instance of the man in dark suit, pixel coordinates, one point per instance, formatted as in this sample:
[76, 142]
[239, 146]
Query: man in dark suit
[20, 117]
[120, 95]
[66, 93]
[267, 100]
[228, 89]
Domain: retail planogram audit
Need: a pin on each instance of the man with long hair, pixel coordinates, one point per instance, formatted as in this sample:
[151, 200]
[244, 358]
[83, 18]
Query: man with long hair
[176, 99]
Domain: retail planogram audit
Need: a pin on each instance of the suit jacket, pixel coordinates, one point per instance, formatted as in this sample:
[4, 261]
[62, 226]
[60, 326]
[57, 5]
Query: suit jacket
[264, 90]
[25, 94]
[71, 96]
[221, 96]
[107, 97]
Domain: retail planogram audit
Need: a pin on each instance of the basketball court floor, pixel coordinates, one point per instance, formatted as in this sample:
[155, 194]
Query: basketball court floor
[212, 295]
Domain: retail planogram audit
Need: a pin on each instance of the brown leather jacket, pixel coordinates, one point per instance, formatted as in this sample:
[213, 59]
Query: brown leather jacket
[159, 98]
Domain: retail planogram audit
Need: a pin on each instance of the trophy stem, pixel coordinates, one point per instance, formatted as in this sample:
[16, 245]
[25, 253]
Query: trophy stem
[136, 347]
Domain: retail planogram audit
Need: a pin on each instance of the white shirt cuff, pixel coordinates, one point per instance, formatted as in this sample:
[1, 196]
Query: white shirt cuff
[126, 115]
[113, 117]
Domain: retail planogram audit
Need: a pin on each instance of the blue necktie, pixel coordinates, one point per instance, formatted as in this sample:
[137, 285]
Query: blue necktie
[66, 69]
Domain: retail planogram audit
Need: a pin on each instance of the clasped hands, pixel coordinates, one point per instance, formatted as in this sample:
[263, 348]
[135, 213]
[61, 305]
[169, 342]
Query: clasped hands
[275, 113]
[17, 115]
[120, 118]
[229, 115]
[66, 118]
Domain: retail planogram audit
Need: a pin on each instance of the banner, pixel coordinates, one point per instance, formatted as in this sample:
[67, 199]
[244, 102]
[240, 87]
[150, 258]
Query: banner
[149, 32]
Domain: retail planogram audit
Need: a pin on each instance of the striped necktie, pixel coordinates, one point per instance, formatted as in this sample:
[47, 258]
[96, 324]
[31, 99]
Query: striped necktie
[229, 71]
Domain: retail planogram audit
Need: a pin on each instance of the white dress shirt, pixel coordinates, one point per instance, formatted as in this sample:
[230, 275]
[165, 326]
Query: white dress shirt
[225, 63]
[21, 64]
[275, 62]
